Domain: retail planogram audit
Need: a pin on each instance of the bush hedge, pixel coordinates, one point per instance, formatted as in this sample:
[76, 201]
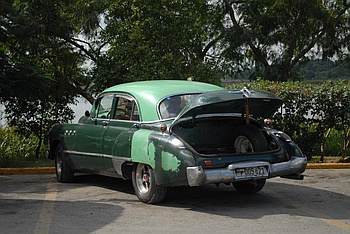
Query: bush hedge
[316, 116]
[17, 150]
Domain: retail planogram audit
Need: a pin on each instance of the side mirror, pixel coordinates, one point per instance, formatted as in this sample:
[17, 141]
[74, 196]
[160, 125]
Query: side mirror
[87, 113]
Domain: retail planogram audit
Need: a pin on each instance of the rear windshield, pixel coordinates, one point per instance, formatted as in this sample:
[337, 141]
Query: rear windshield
[171, 106]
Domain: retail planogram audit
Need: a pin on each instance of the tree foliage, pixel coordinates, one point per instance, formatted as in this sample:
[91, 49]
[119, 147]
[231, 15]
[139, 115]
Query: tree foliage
[321, 70]
[34, 66]
[274, 36]
[53, 51]
[86, 45]
[158, 40]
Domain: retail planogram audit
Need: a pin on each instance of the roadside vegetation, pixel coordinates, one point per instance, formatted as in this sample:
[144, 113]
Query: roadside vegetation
[19, 151]
[52, 52]
[316, 116]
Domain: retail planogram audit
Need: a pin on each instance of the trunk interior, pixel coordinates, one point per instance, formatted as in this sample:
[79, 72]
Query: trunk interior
[219, 135]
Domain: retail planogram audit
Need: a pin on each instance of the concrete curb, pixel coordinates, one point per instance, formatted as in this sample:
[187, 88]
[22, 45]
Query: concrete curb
[51, 170]
[24, 171]
[328, 165]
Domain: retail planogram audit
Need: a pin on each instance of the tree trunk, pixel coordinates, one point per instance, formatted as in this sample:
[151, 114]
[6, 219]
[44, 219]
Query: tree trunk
[40, 135]
[345, 142]
[38, 147]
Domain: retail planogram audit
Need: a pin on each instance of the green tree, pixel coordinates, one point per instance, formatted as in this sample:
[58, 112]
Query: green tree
[159, 40]
[39, 71]
[274, 36]
[52, 51]
[88, 45]
[55, 38]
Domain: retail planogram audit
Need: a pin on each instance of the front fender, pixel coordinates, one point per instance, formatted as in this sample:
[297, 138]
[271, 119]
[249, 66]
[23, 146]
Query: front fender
[55, 137]
[64, 134]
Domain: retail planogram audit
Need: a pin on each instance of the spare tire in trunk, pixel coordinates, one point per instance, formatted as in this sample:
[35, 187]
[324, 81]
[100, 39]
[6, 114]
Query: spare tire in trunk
[248, 139]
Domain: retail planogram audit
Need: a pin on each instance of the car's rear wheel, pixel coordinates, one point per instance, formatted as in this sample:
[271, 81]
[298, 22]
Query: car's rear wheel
[145, 186]
[249, 186]
[248, 139]
[64, 172]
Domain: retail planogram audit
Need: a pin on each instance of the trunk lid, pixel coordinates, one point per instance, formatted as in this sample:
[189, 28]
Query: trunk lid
[261, 103]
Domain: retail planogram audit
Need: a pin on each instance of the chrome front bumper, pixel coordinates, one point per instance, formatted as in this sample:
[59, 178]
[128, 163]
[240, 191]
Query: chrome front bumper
[197, 176]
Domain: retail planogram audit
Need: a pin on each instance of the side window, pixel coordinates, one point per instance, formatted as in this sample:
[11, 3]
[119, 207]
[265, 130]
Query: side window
[135, 113]
[126, 109]
[104, 106]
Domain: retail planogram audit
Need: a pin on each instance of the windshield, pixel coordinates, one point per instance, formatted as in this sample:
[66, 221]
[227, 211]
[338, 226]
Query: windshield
[171, 106]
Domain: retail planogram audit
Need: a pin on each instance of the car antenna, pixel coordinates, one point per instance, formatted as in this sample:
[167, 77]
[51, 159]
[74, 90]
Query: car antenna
[246, 93]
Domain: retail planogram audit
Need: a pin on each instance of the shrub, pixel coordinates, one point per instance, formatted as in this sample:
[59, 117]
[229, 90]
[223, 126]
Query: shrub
[332, 144]
[15, 148]
[309, 111]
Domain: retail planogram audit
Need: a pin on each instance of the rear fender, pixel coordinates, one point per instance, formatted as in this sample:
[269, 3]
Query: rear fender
[164, 153]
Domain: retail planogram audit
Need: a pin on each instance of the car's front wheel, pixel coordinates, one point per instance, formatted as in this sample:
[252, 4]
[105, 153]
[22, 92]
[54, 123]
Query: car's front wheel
[249, 186]
[64, 172]
[145, 186]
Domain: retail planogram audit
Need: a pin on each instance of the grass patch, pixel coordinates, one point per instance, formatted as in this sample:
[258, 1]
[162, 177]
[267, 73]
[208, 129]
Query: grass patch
[327, 159]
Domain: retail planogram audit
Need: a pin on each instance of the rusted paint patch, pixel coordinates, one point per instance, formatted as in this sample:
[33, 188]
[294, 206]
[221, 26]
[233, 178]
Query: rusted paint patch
[170, 162]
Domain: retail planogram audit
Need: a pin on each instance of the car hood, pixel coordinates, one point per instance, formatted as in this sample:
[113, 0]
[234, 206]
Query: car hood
[261, 104]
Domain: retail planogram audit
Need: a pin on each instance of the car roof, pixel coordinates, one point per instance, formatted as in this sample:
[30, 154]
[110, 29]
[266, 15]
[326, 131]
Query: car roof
[149, 93]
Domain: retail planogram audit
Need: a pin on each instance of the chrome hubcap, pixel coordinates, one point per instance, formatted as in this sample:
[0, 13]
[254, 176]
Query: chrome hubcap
[143, 178]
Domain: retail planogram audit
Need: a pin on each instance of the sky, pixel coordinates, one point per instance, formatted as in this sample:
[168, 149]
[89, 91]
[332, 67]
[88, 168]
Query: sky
[79, 111]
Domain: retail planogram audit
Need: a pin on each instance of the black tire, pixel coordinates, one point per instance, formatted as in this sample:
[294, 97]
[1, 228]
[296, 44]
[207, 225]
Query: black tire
[249, 186]
[64, 172]
[248, 139]
[145, 186]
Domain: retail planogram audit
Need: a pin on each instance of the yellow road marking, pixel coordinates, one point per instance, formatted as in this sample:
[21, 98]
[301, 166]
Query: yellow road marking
[321, 216]
[47, 209]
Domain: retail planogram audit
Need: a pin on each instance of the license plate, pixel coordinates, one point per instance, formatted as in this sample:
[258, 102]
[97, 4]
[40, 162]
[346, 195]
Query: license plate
[251, 172]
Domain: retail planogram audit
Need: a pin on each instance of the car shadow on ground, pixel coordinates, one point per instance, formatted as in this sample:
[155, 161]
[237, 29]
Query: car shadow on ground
[275, 198]
[120, 185]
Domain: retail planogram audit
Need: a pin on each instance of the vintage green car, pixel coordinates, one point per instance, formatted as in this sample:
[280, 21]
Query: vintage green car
[175, 133]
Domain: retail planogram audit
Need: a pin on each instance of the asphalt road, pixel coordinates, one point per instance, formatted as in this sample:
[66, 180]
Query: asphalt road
[95, 204]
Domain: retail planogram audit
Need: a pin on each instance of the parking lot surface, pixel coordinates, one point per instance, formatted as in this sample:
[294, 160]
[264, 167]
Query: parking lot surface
[96, 204]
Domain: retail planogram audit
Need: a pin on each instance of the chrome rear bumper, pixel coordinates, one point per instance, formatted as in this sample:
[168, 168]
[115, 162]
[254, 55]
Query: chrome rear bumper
[197, 176]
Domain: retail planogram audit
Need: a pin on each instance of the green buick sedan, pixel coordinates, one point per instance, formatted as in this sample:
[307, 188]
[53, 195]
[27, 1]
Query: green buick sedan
[167, 133]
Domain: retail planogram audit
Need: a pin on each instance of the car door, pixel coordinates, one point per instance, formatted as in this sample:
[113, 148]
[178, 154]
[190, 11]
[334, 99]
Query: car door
[116, 147]
[90, 136]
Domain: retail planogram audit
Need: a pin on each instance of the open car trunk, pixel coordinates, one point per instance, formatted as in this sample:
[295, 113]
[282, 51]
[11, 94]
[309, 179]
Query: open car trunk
[224, 135]
[216, 122]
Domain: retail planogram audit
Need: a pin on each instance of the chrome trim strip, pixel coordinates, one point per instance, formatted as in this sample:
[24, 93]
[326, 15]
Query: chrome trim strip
[82, 153]
[125, 121]
[97, 155]
[117, 158]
